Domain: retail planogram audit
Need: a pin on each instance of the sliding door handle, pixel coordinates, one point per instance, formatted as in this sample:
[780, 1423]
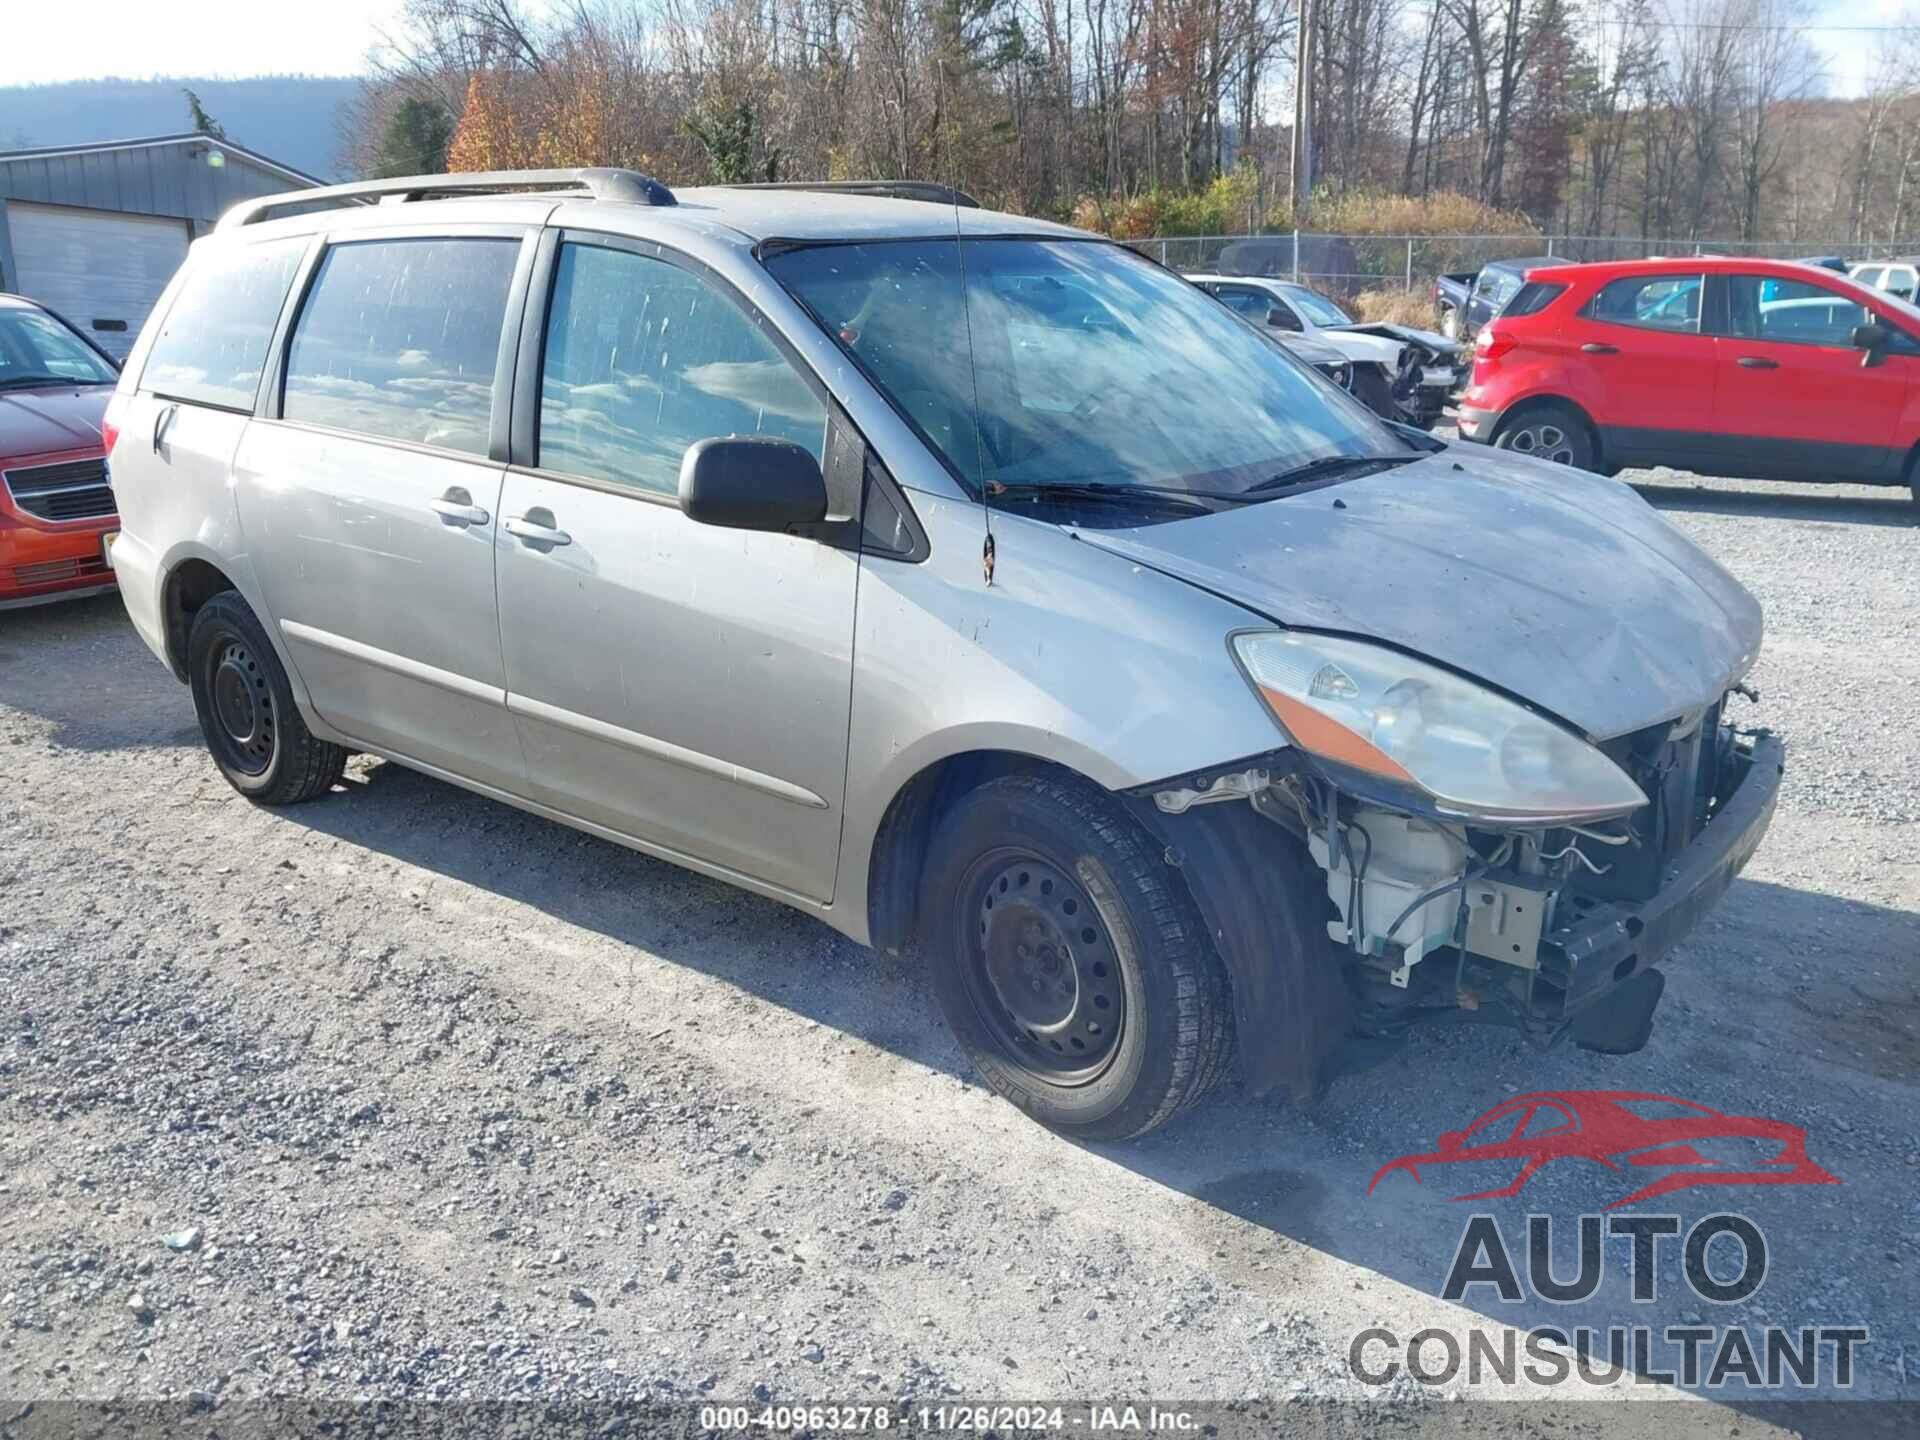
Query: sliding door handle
[536, 527]
[1594, 347]
[1755, 362]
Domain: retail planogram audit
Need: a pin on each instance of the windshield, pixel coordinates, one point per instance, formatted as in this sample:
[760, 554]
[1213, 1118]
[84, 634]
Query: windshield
[36, 349]
[1093, 366]
[1317, 307]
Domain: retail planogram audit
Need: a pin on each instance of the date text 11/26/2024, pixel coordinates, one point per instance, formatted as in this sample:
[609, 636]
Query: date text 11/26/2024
[958, 1418]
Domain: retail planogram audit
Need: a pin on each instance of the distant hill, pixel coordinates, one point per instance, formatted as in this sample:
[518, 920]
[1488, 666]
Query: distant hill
[289, 118]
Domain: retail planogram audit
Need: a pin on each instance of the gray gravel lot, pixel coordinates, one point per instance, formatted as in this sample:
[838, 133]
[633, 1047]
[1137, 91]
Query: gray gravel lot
[407, 1094]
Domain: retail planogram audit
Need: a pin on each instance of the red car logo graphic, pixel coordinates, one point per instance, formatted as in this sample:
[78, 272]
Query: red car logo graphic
[1617, 1128]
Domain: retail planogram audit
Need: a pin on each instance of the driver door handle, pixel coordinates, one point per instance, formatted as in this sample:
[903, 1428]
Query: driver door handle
[536, 527]
[1594, 347]
[1755, 362]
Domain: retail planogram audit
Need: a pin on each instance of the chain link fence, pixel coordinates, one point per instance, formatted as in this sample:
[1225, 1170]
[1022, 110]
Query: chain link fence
[1349, 264]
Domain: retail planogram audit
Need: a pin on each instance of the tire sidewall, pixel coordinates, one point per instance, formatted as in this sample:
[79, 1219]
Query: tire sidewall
[1128, 1093]
[223, 616]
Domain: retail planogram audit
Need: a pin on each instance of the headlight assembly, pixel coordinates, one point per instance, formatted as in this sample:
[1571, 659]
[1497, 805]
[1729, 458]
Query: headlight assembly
[1469, 751]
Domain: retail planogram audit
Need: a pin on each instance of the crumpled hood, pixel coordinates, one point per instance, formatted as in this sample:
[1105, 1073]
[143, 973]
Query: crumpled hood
[1560, 587]
[1410, 334]
[33, 422]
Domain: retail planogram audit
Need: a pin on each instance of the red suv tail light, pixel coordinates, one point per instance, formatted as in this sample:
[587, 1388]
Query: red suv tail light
[1492, 343]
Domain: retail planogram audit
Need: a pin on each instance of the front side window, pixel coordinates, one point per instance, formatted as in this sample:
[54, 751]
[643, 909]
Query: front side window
[643, 358]
[1760, 307]
[36, 349]
[400, 339]
[1870, 276]
[1653, 302]
[1317, 307]
[213, 344]
[1050, 362]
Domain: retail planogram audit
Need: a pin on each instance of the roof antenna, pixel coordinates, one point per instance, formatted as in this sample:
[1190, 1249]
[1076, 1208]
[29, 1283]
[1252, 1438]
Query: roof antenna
[973, 370]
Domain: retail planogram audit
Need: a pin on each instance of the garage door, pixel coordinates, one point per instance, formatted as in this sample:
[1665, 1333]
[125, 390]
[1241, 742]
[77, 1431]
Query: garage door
[101, 270]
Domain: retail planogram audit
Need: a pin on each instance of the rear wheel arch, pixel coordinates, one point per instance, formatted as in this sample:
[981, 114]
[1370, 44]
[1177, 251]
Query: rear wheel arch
[189, 585]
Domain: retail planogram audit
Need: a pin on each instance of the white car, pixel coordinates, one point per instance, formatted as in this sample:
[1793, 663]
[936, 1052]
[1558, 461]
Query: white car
[1895, 277]
[1401, 372]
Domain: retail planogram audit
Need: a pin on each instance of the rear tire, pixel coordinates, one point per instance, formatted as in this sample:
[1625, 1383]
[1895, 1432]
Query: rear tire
[1069, 960]
[1450, 323]
[1549, 431]
[252, 727]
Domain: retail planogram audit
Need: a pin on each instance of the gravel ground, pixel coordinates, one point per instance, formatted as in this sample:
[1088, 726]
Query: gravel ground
[407, 1094]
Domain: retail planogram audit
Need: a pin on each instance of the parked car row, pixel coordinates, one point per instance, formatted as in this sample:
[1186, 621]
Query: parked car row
[971, 583]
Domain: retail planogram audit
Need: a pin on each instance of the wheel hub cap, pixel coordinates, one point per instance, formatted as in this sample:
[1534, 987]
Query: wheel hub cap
[1052, 985]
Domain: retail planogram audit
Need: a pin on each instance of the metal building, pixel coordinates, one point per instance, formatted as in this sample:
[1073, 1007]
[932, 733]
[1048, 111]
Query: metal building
[94, 232]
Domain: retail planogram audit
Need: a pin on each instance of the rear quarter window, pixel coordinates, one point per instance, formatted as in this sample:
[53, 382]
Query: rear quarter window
[1534, 296]
[213, 342]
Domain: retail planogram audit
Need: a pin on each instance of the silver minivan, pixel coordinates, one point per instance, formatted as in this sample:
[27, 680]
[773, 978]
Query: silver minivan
[967, 581]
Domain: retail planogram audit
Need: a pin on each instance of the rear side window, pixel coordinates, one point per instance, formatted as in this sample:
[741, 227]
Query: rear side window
[213, 343]
[401, 338]
[1654, 302]
[1534, 297]
[643, 358]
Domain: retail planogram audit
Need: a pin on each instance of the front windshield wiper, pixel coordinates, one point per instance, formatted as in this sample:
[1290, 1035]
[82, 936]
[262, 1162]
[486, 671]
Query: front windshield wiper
[1194, 500]
[21, 382]
[1325, 468]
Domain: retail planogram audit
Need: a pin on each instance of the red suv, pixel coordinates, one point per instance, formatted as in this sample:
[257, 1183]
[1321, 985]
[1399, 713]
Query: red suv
[56, 505]
[1753, 369]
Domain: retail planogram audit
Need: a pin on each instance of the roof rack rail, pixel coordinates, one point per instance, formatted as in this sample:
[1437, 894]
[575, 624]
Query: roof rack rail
[601, 184]
[929, 190]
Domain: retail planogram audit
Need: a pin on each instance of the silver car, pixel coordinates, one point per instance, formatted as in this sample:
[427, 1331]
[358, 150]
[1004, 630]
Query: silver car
[966, 581]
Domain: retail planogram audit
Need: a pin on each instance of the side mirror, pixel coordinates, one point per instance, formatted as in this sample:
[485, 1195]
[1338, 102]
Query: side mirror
[741, 483]
[1872, 337]
[1282, 319]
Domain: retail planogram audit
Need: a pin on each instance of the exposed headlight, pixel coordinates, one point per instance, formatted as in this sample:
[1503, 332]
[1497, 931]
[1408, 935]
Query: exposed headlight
[1471, 752]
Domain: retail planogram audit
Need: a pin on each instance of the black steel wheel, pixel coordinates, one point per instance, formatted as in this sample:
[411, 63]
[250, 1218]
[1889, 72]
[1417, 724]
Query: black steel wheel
[247, 713]
[1070, 959]
[1040, 967]
[242, 708]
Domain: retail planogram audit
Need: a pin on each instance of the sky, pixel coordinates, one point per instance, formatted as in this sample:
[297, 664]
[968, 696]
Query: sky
[82, 39]
[85, 39]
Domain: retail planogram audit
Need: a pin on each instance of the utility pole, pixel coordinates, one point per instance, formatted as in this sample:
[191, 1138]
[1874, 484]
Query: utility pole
[1303, 116]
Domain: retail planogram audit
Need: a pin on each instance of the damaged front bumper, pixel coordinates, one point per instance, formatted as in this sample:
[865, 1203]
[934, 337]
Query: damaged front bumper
[1540, 927]
[1600, 944]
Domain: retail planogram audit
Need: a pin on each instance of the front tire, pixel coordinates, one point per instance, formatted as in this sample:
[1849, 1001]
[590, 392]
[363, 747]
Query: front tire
[252, 727]
[1070, 961]
[1549, 432]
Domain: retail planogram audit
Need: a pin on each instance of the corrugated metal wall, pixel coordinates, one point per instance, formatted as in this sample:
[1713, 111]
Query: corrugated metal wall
[171, 178]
